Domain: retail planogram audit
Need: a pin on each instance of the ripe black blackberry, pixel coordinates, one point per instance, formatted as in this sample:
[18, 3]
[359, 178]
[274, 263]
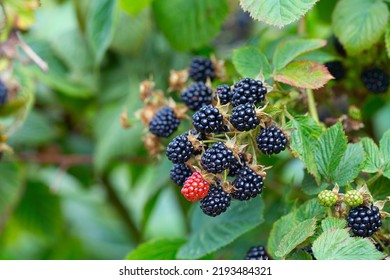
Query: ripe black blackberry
[248, 91]
[223, 93]
[3, 93]
[180, 149]
[378, 247]
[336, 69]
[179, 173]
[375, 80]
[339, 47]
[248, 184]
[271, 140]
[236, 165]
[208, 119]
[364, 221]
[217, 158]
[216, 201]
[244, 118]
[257, 253]
[196, 96]
[164, 123]
[201, 68]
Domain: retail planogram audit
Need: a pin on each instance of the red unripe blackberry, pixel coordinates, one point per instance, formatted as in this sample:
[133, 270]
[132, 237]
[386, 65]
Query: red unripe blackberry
[223, 93]
[208, 119]
[271, 140]
[180, 149]
[375, 80]
[336, 69]
[248, 91]
[164, 123]
[217, 158]
[195, 187]
[257, 253]
[201, 68]
[179, 173]
[216, 201]
[244, 118]
[196, 96]
[364, 221]
[3, 93]
[248, 184]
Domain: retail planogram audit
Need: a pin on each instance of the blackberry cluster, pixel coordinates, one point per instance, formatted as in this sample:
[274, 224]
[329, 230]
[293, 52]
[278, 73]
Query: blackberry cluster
[336, 69]
[244, 118]
[179, 173]
[196, 96]
[216, 201]
[375, 80]
[217, 158]
[3, 93]
[271, 140]
[248, 91]
[208, 119]
[180, 149]
[201, 68]
[257, 253]
[364, 221]
[248, 184]
[223, 93]
[164, 123]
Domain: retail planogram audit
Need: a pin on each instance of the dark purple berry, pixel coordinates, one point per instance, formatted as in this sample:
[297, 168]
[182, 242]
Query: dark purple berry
[244, 118]
[248, 91]
[223, 94]
[179, 173]
[216, 201]
[196, 96]
[257, 253]
[375, 80]
[248, 184]
[364, 221]
[207, 120]
[180, 149]
[217, 158]
[271, 140]
[201, 69]
[164, 123]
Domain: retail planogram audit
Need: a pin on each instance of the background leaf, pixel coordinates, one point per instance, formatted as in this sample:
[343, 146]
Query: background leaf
[134, 7]
[161, 249]
[373, 161]
[333, 223]
[250, 62]
[384, 147]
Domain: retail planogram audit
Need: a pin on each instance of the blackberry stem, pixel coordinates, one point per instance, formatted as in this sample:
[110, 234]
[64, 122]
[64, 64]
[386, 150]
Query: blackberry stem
[312, 105]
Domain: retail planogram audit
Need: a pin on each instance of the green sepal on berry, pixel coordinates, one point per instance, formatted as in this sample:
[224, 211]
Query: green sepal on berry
[353, 198]
[327, 198]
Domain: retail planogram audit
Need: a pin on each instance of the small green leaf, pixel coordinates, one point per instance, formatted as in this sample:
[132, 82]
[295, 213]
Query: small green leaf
[296, 236]
[330, 149]
[289, 50]
[384, 147]
[300, 255]
[134, 7]
[387, 40]
[304, 74]
[373, 162]
[333, 223]
[212, 233]
[161, 249]
[250, 62]
[277, 12]
[359, 24]
[336, 244]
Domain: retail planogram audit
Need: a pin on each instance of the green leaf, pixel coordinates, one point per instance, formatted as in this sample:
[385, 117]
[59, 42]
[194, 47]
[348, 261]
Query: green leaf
[161, 249]
[330, 149]
[189, 24]
[250, 62]
[387, 40]
[336, 244]
[300, 255]
[100, 27]
[350, 165]
[134, 7]
[373, 162]
[304, 74]
[384, 147]
[359, 24]
[333, 223]
[212, 233]
[310, 186]
[296, 236]
[380, 188]
[289, 50]
[278, 12]
[304, 135]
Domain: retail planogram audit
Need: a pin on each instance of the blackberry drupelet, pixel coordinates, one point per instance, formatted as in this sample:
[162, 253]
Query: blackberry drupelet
[201, 68]
[217, 158]
[223, 93]
[257, 253]
[164, 123]
[208, 119]
[364, 221]
[248, 91]
[375, 80]
[244, 118]
[179, 173]
[180, 149]
[248, 184]
[336, 69]
[196, 96]
[216, 201]
[271, 140]
[3, 93]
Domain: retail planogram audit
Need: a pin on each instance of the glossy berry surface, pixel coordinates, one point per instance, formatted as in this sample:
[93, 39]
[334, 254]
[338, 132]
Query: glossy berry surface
[180, 149]
[196, 96]
[248, 184]
[201, 68]
[271, 140]
[257, 253]
[179, 173]
[208, 119]
[244, 118]
[216, 201]
[195, 187]
[217, 158]
[223, 93]
[248, 91]
[364, 221]
[164, 123]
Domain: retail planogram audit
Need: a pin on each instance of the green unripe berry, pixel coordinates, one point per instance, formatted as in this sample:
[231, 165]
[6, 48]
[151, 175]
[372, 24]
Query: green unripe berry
[327, 198]
[353, 198]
